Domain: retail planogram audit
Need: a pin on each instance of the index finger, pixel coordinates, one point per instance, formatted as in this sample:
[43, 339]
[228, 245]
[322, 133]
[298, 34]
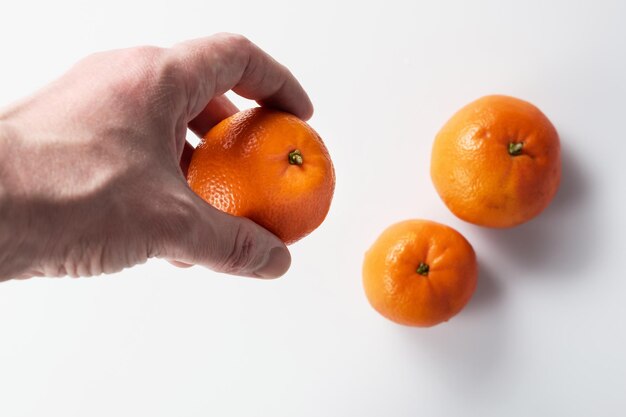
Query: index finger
[218, 63]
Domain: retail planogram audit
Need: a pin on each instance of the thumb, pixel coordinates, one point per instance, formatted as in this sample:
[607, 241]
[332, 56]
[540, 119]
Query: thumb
[229, 244]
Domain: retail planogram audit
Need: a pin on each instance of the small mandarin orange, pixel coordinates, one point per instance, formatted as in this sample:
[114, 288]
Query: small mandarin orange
[419, 273]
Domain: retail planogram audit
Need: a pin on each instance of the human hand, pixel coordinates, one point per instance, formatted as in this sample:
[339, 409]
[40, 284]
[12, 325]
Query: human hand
[91, 166]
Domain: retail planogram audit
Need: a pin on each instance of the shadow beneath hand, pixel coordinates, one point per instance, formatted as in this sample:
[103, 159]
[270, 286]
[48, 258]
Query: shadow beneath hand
[559, 241]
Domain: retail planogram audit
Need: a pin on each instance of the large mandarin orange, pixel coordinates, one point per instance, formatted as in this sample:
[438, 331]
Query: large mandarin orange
[497, 162]
[268, 166]
[419, 273]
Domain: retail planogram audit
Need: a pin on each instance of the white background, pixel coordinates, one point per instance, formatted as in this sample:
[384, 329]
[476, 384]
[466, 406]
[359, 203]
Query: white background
[544, 334]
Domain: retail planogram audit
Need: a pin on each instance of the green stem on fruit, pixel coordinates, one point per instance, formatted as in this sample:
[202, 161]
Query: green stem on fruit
[515, 148]
[423, 269]
[295, 157]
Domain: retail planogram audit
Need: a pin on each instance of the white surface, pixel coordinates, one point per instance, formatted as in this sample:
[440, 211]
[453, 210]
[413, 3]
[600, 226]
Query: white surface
[544, 334]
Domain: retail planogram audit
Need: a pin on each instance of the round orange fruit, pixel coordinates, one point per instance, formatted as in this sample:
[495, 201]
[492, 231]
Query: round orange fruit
[419, 273]
[497, 162]
[268, 166]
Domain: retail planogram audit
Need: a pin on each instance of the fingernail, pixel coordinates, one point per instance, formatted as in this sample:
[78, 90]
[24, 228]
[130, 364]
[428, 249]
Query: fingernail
[277, 263]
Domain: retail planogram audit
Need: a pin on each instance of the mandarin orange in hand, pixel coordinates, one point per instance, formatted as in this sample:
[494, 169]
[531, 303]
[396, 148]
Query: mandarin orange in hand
[497, 162]
[268, 166]
[419, 273]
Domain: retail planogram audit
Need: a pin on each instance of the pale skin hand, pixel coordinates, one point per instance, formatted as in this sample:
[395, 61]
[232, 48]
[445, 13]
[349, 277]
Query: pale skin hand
[90, 166]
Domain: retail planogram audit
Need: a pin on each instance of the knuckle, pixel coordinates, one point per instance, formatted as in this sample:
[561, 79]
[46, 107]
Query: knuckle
[233, 39]
[135, 58]
[142, 63]
[233, 44]
[139, 58]
[128, 76]
[175, 215]
[145, 52]
[244, 245]
[94, 57]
